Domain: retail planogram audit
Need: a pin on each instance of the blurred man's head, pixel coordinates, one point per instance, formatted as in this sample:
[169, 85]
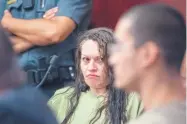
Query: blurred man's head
[151, 38]
[10, 74]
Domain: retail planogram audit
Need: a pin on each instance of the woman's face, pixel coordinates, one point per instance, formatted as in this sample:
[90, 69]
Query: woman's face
[92, 65]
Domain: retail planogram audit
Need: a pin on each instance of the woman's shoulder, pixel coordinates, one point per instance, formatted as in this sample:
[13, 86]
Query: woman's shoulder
[134, 106]
[133, 96]
[64, 91]
[133, 100]
[59, 102]
[61, 95]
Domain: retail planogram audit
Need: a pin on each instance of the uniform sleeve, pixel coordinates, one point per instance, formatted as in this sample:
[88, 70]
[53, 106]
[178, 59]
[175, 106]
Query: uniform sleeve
[2, 8]
[59, 103]
[134, 106]
[74, 9]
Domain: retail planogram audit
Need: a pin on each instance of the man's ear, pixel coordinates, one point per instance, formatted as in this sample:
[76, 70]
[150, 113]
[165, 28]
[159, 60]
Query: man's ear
[183, 67]
[149, 54]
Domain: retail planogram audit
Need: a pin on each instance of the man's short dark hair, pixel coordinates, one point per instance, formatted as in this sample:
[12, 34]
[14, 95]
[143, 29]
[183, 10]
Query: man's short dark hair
[163, 25]
[6, 51]
[10, 74]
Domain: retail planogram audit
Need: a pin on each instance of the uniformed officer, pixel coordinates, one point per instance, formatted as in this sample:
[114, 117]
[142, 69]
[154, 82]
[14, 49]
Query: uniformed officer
[46, 45]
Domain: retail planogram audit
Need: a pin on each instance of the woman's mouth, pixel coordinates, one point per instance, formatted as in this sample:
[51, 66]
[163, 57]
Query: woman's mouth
[92, 76]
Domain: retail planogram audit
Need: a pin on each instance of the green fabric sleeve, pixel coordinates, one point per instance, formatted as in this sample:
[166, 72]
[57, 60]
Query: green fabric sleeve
[134, 106]
[59, 103]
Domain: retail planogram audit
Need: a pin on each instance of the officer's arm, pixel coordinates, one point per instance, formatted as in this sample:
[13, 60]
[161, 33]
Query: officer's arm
[20, 45]
[41, 31]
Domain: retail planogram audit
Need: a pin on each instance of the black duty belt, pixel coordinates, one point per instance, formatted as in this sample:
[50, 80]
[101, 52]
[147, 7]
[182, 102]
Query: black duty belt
[56, 75]
[62, 70]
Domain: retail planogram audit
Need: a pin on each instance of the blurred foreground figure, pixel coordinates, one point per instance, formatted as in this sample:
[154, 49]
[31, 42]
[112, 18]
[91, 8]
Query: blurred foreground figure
[19, 104]
[147, 57]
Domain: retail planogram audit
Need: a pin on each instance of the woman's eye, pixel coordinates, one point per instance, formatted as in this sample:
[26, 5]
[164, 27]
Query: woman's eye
[99, 60]
[86, 59]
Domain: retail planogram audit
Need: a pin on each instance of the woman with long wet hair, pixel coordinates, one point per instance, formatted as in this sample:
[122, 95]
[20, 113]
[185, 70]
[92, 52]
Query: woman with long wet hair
[93, 99]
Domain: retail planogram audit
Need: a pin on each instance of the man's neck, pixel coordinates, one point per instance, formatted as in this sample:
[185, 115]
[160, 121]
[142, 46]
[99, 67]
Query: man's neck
[161, 89]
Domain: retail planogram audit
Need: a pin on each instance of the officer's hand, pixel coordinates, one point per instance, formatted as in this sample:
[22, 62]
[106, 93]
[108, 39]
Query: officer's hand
[5, 19]
[50, 14]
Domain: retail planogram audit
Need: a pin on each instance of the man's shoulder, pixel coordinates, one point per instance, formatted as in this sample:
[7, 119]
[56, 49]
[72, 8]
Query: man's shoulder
[148, 118]
[27, 103]
[23, 99]
[170, 114]
[19, 93]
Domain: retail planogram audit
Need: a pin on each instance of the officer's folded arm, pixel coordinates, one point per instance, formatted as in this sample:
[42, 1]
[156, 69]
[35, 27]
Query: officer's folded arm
[20, 45]
[41, 31]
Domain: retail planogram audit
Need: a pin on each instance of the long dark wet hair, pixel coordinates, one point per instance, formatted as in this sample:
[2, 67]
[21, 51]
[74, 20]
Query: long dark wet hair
[116, 101]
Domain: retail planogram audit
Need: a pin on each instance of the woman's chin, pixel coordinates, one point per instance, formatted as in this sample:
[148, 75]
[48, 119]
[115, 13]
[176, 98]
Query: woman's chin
[96, 84]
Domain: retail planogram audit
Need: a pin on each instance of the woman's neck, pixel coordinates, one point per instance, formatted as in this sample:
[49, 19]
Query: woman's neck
[99, 91]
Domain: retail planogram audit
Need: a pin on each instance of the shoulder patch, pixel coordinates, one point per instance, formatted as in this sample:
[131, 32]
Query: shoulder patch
[11, 2]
